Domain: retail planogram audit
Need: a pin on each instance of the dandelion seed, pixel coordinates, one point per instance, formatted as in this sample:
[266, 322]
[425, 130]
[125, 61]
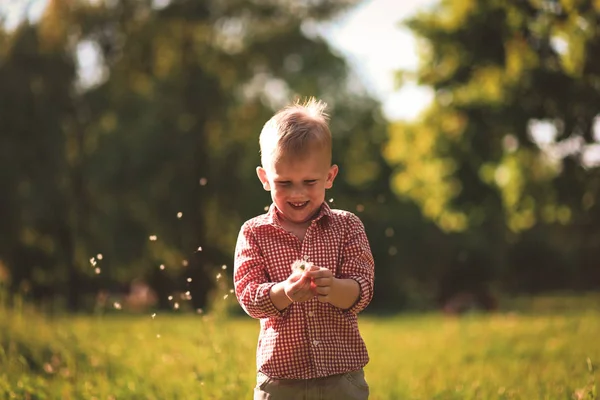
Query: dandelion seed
[184, 263]
[179, 215]
[170, 298]
[199, 311]
[187, 293]
[301, 265]
[158, 336]
[117, 305]
[97, 271]
[266, 208]
[153, 315]
[223, 267]
[218, 276]
[162, 266]
[203, 181]
[225, 297]
[360, 208]
[230, 290]
[152, 238]
[389, 232]
[199, 248]
[189, 280]
[201, 383]
[176, 306]
[392, 251]
[99, 256]
[331, 200]
[93, 261]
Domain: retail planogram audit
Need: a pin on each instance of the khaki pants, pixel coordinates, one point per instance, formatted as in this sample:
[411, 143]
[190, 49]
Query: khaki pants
[348, 386]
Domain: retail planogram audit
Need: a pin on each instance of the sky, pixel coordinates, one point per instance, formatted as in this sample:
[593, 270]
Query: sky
[369, 36]
[373, 42]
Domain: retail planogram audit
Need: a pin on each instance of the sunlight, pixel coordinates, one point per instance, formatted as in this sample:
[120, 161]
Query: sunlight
[90, 65]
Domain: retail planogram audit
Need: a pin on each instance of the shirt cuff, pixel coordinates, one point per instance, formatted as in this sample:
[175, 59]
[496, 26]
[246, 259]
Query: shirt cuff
[364, 296]
[266, 303]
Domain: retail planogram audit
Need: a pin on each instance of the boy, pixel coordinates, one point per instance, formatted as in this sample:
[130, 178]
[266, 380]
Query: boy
[309, 345]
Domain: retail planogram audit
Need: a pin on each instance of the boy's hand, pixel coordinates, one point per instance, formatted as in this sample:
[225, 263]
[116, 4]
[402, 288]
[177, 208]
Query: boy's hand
[323, 280]
[298, 287]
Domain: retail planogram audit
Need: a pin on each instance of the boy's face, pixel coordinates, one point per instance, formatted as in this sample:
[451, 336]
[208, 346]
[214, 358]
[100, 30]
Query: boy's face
[298, 184]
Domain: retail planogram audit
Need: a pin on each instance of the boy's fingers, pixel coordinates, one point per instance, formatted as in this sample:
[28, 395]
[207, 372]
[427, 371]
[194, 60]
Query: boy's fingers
[313, 267]
[320, 273]
[302, 297]
[323, 299]
[297, 290]
[295, 277]
[300, 286]
[323, 290]
[299, 278]
[323, 281]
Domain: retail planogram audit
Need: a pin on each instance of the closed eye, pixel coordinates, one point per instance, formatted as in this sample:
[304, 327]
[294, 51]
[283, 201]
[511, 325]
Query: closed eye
[310, 182]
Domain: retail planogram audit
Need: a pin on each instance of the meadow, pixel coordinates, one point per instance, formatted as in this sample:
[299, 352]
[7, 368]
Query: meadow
[530, 354]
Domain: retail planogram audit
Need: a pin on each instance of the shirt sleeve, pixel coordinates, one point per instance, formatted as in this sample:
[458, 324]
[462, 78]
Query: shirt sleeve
[250, 279]
[358, 263]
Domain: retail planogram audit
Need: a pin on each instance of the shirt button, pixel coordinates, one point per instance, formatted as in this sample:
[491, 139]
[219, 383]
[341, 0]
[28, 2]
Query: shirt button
[315, 342]
[310, 313]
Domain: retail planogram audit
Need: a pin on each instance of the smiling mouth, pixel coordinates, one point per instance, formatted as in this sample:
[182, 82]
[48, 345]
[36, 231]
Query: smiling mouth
[298, 205]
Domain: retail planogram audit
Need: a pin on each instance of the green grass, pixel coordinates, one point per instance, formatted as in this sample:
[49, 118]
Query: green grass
[119, 356]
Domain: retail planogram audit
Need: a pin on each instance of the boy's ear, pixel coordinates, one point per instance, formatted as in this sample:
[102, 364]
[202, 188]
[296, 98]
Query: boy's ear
[262, 176]
[331, 174]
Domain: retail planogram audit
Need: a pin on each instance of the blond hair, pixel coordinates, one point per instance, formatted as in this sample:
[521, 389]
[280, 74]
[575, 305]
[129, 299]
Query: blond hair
[294, 131]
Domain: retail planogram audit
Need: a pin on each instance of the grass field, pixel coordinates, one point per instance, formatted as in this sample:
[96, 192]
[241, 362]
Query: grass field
[542, 355]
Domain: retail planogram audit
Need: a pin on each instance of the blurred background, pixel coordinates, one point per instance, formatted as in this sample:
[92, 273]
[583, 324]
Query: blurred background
[467, 134]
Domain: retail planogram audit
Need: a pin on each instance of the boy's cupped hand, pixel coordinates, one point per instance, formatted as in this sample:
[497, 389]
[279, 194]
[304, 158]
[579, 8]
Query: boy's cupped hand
[299, 287]
[322, 279]
[302, 286]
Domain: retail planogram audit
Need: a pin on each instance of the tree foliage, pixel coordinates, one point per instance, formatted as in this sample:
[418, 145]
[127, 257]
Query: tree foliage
[161, 142]
[502, 72]
[148, 157]
[507, 153]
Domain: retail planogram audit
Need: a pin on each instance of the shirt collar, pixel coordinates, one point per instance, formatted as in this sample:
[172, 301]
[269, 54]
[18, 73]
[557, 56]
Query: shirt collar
[324, 214]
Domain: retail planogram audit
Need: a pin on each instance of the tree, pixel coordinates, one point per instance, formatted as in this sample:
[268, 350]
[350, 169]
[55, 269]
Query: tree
[41, 141]
[157, 156]
[503, 154]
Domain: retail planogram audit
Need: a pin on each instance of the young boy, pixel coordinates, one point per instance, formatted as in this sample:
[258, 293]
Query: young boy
[309, 345]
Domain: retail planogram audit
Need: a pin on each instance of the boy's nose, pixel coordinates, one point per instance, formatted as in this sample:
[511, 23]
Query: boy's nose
[297, 191]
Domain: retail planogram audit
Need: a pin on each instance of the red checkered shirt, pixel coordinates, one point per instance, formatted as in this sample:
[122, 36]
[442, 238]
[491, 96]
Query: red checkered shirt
[311, 339]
